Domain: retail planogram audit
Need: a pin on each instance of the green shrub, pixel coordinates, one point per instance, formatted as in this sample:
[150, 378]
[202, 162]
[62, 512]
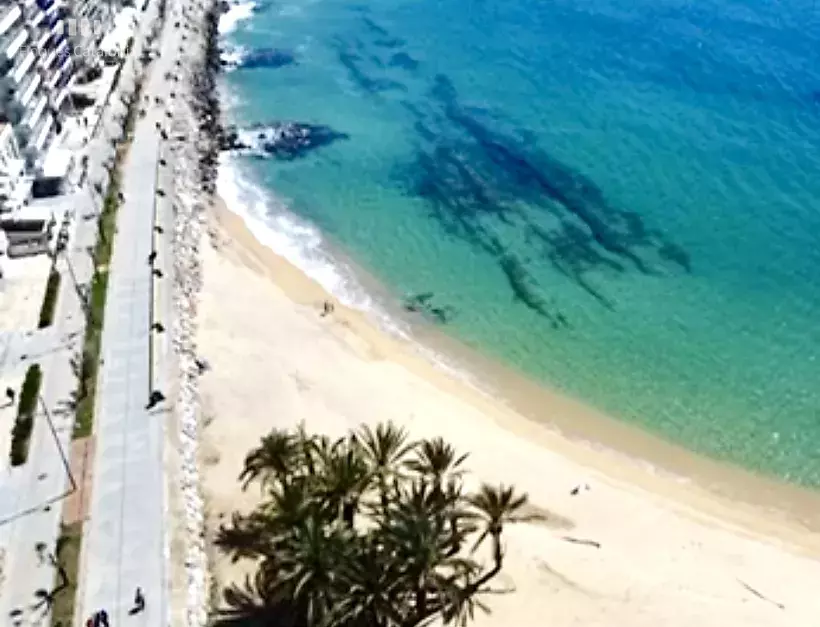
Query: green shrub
[50, 299]
[23, 425]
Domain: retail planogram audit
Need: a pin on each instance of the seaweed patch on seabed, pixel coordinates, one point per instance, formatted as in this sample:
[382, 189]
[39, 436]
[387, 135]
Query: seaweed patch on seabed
[353, 62]
[479, 180]
[375, 28]
[404, 61]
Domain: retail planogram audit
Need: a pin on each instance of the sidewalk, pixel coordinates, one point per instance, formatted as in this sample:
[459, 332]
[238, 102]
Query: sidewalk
[124, 538]
[32, 496]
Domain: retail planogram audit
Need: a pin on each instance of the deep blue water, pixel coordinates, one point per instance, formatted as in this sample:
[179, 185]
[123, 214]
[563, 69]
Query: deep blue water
[617, 198]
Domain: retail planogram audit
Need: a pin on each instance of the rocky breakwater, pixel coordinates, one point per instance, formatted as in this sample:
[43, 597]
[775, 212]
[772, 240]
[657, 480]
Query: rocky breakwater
[260, 58]
[284, 141]
[195, 136]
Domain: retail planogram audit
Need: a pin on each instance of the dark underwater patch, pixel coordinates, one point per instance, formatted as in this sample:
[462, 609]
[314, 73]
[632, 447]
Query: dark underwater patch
[353, 63]
[425, 304]
[474, 175]
[404, 61]
[267, 58]
[389, 42]
[375, 28]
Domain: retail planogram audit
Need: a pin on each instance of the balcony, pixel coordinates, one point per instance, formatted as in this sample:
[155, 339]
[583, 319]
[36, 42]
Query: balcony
[9, 19]
[59, 77]
[56, 25]
[55, 12]
[35, 18]
[42, 132]
[17, 43]
[58, 97]
[29, 90]
[43, 39]
[20, 70]
[61, 48]
[36, 112]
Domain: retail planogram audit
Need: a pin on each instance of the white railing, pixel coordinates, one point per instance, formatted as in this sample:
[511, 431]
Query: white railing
[41, 42]
[17, 43]
[9, 19]
[19, 72]
[28, 94]
[36, 112]
[55, 78]
[42, 135]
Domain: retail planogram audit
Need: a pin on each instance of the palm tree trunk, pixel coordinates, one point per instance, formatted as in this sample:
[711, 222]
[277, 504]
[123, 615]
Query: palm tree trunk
[349, 508]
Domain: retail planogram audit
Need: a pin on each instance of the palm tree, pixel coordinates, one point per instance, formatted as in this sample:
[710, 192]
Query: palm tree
[497, 506]
[272, 461]
[344, 477]
[357, 533]
[384, 447]
[437, 460]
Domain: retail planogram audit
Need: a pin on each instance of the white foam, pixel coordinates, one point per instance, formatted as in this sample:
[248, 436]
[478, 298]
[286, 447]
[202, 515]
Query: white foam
[277, 228]
[238, 12]
[232, 57]
[302, 245]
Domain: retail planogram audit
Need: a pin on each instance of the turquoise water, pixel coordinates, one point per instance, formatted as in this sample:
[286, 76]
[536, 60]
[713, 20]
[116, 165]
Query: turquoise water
[618, 198]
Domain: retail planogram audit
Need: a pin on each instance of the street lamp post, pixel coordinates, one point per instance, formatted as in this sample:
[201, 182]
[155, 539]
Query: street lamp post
[81, 293]
[63, 456]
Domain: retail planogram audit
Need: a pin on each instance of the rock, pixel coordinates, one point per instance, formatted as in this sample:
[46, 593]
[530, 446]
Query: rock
[282, 140]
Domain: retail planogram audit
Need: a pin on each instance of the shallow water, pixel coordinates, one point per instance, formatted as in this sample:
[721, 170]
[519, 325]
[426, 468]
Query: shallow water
[619, 199]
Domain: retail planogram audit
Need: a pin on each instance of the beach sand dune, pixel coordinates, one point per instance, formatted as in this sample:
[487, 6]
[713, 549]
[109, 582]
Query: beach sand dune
[617, 553]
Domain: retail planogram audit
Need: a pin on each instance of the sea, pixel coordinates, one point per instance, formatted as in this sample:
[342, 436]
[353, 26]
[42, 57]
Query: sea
[618, 199]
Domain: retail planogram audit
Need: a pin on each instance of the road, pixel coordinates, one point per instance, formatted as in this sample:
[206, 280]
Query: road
[124, 543]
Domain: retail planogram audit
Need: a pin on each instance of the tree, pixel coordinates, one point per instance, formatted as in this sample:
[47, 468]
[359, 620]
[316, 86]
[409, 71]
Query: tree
[364, 531]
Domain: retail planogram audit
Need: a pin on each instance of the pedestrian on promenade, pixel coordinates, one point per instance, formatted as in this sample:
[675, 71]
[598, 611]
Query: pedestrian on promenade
[89, 622]
[139, 600]
[104, 619]
[10, 395]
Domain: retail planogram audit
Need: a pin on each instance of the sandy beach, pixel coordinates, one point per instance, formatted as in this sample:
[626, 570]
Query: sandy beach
[671, 552]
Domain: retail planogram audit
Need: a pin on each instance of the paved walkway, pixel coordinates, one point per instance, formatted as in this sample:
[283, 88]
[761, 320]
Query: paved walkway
[124, 538]
[32, 496]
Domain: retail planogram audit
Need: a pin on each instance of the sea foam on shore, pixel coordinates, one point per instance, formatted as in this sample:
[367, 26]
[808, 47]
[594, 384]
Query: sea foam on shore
[303, 246]
[238, 12]
[295, 240]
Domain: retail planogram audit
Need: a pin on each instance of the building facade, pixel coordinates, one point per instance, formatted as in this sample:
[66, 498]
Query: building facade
[90, 21]
[15, 183]
[36, 72]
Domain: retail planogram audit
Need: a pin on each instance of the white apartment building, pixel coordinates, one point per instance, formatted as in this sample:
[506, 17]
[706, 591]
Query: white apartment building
[36, 71]
[15, 184]
[91, 21]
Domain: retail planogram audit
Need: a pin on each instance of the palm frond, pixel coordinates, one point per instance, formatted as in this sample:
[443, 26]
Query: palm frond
[437, 460]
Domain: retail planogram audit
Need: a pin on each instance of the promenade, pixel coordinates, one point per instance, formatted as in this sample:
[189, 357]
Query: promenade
[124, 541]
[32, 495]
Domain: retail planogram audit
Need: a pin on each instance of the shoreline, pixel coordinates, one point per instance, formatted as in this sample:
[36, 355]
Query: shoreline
[665, 551]
[567, 426]
[680, 538]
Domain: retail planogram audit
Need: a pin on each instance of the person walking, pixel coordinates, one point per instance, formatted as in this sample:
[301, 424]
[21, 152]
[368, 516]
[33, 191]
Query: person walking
[104, 619]
[139, 600]
[10, 395]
